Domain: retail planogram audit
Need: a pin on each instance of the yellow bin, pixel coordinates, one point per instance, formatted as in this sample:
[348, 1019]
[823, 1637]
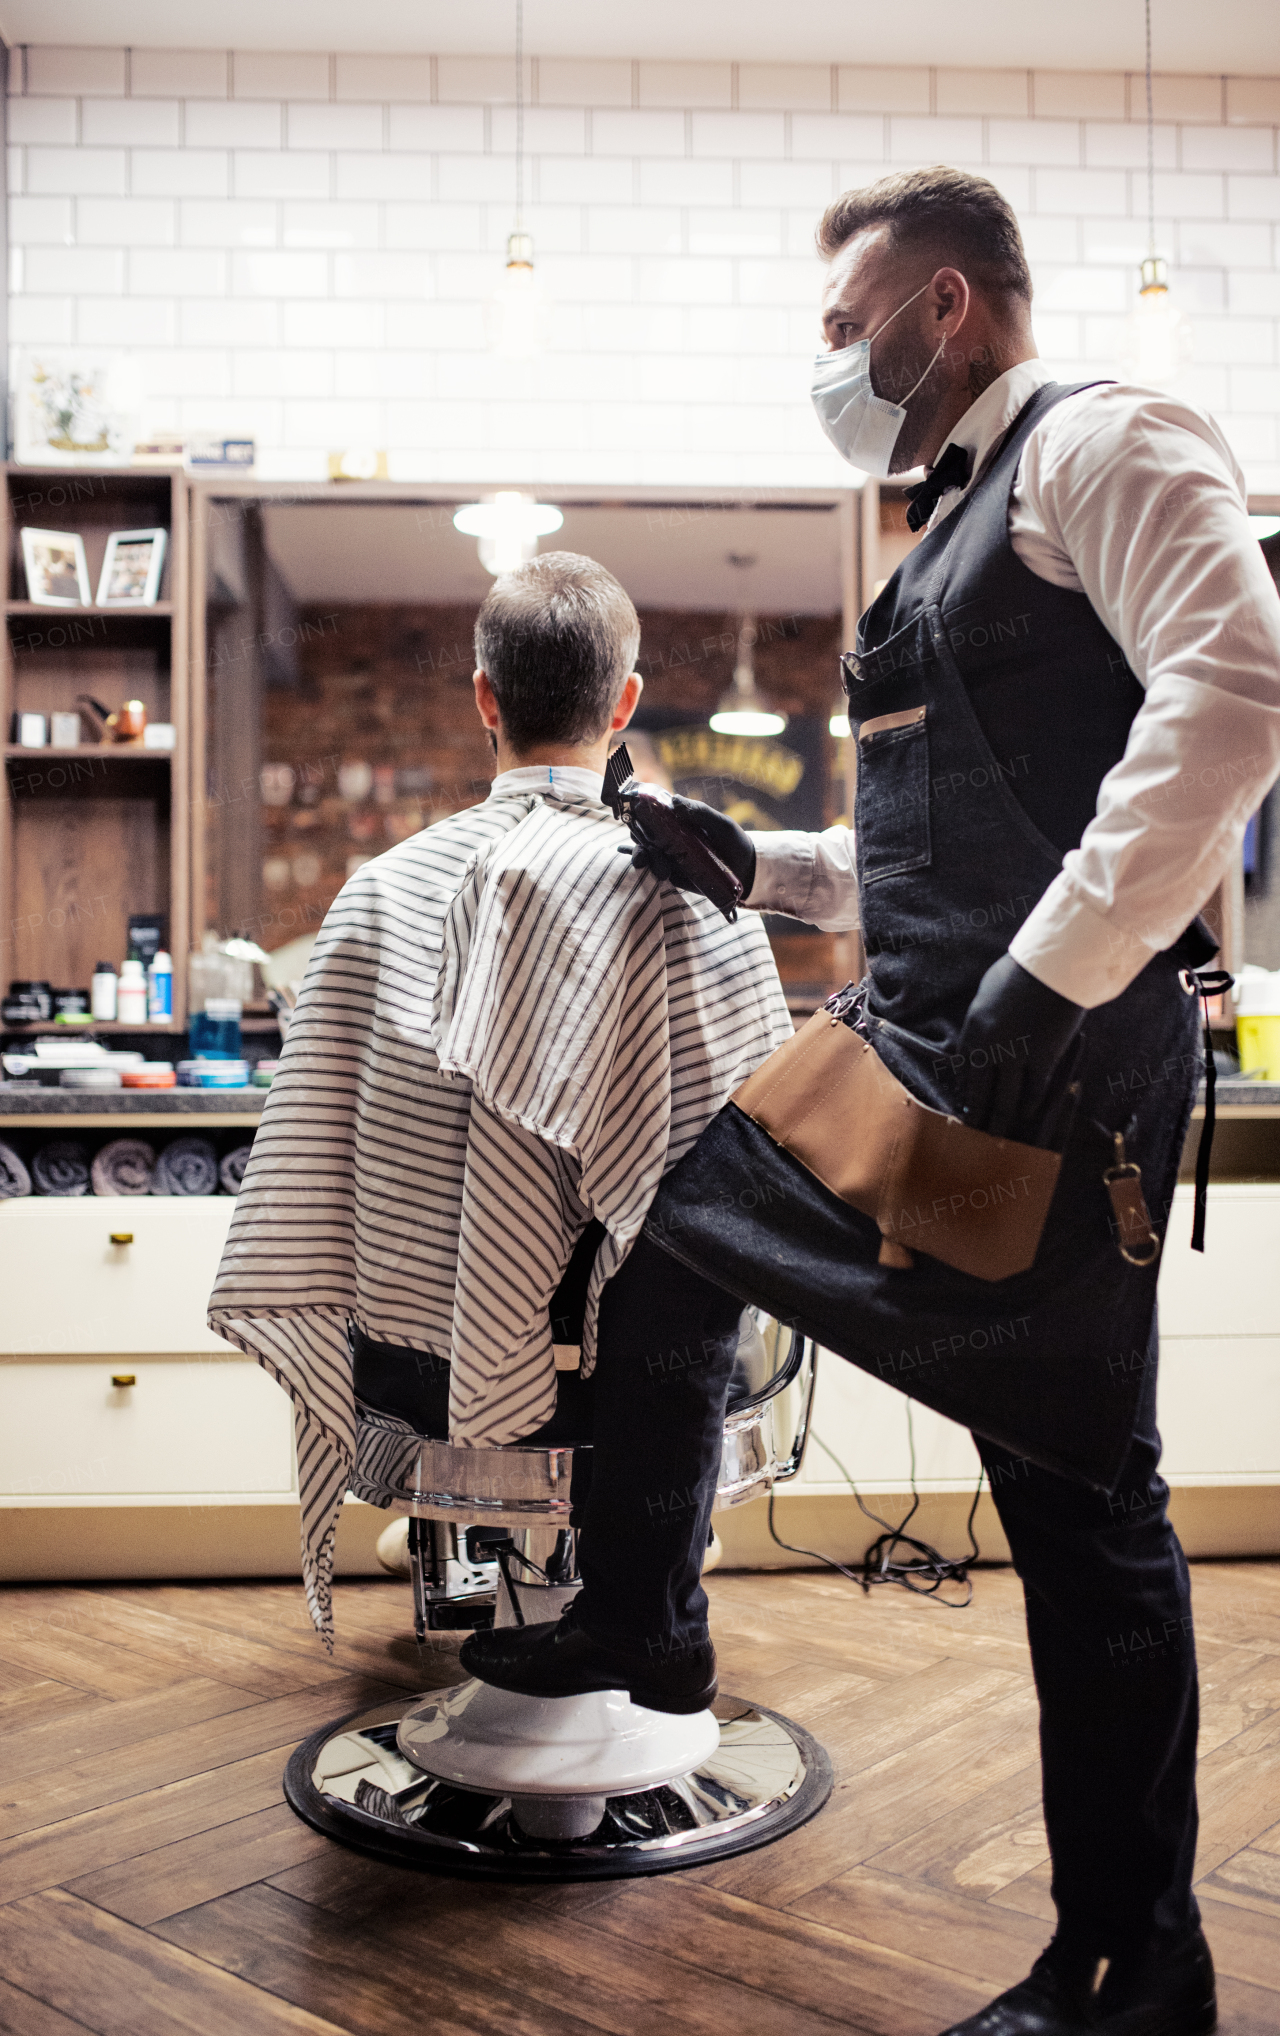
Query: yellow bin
[1258, 1044]
[1257, 1000]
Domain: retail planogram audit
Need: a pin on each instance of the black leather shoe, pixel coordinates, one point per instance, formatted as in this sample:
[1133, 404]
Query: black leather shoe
[558, 1660]
[1162, 1991]
[1055, 1999]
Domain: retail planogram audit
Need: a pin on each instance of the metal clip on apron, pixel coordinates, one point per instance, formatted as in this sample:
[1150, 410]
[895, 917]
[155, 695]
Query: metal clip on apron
[988, 706]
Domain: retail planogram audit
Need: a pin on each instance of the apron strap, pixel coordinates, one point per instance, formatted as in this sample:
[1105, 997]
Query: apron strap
[1205, 983]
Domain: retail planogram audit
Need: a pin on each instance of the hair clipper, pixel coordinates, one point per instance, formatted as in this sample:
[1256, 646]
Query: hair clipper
[655, 822]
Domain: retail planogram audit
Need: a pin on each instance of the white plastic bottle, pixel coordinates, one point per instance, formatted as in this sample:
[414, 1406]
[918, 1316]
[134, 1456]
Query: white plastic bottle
[160, 988]
[131, 994]
[102, 992]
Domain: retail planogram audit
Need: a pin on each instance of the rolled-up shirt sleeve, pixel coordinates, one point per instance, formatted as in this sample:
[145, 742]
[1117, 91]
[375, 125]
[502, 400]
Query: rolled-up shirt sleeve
[807, 876]
[1139, 494]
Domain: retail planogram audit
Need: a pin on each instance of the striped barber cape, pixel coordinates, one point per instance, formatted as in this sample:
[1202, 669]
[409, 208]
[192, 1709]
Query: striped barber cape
[504, 1031]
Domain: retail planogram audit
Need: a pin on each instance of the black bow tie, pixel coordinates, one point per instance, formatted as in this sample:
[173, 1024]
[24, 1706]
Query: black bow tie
[952, 471]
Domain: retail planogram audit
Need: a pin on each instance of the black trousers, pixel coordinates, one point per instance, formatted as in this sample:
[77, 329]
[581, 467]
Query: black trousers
[665, 1351]
[1108, 1604]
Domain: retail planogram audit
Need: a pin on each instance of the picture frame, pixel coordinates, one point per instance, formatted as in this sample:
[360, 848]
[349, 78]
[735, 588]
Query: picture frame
[74, 407]
[56, 568]
[131, 568]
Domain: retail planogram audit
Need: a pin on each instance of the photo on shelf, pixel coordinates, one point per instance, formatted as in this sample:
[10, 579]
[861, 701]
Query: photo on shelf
[57, 574]
[131, 569]
[71, 407]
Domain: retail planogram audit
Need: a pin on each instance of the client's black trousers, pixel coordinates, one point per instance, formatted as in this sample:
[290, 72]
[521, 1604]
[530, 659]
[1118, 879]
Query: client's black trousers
[1109, 1620]
[665, 1347]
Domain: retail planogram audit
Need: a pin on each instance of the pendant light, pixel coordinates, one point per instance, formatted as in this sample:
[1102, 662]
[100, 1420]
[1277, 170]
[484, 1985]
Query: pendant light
[508, 528]
[1157, 337]
[743, 710]
[517, 311]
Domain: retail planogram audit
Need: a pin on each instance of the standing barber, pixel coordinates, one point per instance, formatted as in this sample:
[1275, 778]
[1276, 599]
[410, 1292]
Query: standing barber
[1067, 704]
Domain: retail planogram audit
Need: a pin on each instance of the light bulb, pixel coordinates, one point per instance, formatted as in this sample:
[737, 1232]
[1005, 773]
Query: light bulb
[1157, 340]
[517, 314]
[839, 726]
[508, 528]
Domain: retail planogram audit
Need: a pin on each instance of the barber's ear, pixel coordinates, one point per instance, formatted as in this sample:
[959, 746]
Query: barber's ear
[486, 703]
[628, 701]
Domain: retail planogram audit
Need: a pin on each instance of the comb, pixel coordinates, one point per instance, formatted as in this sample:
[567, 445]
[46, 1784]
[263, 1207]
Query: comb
[616, 772]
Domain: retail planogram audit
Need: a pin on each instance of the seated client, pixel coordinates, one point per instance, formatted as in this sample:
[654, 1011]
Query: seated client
[504, 1039]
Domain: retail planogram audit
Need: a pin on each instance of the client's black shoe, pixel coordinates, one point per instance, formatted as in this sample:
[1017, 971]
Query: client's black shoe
[1162, 1991]
[559, 1660]
[1055, 1999]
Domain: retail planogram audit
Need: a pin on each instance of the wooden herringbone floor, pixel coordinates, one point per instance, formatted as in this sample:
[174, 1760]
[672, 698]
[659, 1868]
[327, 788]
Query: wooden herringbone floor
[152, 1878]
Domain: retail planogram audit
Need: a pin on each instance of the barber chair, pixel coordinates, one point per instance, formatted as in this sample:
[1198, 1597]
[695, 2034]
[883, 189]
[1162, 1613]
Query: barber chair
[481, 1781]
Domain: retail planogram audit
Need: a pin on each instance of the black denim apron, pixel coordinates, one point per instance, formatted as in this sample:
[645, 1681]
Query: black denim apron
[989, 705]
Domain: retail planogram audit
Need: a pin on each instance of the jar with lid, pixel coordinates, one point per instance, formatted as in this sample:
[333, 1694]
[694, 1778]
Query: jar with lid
[215, 1032]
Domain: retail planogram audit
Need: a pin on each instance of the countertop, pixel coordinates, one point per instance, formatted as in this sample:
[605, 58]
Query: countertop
[40, 1109]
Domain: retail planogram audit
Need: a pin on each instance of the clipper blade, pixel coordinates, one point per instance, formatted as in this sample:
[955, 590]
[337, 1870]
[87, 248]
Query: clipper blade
[616, 772]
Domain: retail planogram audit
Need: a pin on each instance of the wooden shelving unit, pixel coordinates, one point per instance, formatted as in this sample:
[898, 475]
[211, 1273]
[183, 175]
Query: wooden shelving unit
[91, 834]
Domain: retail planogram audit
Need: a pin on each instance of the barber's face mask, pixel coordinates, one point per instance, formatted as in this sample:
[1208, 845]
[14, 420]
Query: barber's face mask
[862, 426]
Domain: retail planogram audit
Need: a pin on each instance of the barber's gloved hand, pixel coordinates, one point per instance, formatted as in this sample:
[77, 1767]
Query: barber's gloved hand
[722, 835]
[1013, 1054]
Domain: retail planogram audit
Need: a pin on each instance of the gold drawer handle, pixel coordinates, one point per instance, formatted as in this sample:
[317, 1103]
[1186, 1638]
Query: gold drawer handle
[124, 1378]
[122, 1237]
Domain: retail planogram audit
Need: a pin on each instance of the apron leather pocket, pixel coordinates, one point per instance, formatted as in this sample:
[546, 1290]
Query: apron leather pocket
[892, 808]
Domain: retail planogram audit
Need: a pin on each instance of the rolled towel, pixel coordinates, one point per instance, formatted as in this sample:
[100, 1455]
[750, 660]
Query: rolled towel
[14, 1178]
[231, 1168]
[187, 1166]
[124, 1167]
[61, 1167]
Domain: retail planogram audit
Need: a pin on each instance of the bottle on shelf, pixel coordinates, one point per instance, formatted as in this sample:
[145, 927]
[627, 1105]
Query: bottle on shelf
[160, 988]
[102, 992]
[131, 993]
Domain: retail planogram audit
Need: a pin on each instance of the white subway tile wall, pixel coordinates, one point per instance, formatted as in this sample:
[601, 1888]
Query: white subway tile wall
[302, 246]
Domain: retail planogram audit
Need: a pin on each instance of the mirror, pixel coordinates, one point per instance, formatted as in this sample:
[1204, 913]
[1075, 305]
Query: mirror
[338, 714]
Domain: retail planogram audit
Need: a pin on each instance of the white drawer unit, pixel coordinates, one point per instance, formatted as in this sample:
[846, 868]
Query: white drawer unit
[181, 1426]
[1232, 1288]
[66, 1286]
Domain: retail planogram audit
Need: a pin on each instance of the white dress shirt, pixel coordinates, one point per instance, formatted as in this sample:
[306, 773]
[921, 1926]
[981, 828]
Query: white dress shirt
[1135, 499]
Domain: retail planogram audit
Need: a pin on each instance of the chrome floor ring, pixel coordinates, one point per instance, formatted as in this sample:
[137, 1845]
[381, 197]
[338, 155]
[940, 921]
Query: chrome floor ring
[350, 1781]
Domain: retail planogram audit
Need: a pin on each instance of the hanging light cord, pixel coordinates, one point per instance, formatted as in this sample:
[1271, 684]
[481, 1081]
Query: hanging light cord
[1151, 145]
[519, 110]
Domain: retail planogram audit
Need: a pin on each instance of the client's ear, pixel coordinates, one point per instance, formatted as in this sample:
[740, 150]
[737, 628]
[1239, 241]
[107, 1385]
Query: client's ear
[628, 700]
[486, 702]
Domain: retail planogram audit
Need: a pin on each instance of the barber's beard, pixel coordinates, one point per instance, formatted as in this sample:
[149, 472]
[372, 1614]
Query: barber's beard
[898, 365]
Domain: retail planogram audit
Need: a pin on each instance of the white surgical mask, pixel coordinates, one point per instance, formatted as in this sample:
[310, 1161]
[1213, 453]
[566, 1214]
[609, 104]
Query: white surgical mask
[862, 426]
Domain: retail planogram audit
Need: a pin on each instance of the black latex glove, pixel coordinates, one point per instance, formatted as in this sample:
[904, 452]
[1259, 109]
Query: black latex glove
[730, 842]
[1016, 1038]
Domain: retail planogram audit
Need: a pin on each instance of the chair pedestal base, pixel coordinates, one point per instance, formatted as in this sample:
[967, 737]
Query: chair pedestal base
[562, 1815]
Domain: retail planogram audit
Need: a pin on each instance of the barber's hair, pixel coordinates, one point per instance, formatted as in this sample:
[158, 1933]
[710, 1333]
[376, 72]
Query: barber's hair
[557, 638]
[950, 216]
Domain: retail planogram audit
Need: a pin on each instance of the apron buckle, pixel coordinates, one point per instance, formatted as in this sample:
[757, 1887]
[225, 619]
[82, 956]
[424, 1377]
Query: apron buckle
[1136, 1237]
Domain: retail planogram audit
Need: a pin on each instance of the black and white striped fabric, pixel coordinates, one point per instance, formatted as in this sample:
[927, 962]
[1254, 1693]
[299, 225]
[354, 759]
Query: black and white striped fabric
[503, 1032]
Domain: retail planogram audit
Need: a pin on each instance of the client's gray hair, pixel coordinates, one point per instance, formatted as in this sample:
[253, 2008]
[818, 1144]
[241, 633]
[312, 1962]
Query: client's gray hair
[557, 638]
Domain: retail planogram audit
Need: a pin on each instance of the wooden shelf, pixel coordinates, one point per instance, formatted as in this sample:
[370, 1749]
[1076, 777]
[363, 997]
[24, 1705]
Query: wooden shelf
[94, 833]
[161, 608]
[68, 1033]
[115, 751]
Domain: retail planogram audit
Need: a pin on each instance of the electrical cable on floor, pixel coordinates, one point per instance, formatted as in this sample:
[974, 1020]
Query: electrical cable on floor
[926, 1571]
